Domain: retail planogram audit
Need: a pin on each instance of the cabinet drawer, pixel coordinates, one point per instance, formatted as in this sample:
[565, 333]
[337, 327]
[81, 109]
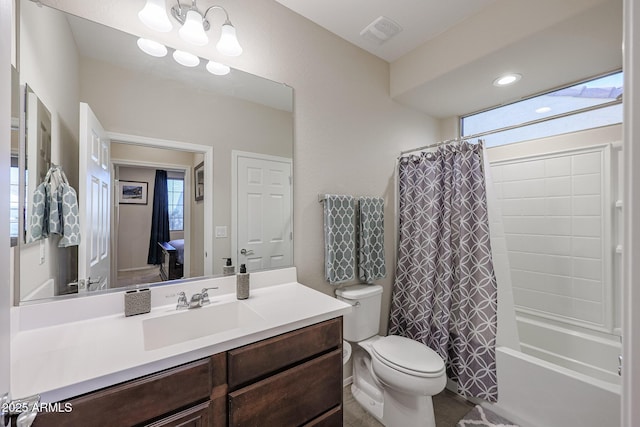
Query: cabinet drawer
[198, 416]
[137, 401]
[333, 418]
[254, 361]
[290, 398]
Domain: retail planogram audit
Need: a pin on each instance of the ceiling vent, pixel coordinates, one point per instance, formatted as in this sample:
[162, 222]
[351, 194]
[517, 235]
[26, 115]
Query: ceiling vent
[381, 30]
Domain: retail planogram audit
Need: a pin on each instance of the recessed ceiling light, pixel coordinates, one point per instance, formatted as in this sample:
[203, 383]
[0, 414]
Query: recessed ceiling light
[543, 110]
[507, 79]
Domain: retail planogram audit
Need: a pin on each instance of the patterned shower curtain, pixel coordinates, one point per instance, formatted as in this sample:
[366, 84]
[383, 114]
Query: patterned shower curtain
[445, 293]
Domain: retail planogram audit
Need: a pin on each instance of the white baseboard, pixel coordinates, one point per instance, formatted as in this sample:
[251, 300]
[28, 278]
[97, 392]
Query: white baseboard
[347, 381]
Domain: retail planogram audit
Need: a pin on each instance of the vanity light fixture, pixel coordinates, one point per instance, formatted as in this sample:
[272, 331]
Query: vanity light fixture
[194, 24]
[507, 79]
[154, 16]
[152, 48]
[217, 68]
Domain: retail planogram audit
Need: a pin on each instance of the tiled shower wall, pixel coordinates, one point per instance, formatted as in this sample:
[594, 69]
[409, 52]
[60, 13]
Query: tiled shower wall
[556, 217]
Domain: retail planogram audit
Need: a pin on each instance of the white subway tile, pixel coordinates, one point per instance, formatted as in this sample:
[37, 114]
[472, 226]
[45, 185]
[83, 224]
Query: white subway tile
[524, 225]
[558, 206]
[587, 184]
[519, 171]
[558, 226]
[586, 247]
[557, 186]
[551, 245]
[496, 173]
[558, 166]
[550, 264]
[522, 189]
[587, 206]
[586, 163]
[587, 289]
[587, 268]
[587, 311]
[586, 226]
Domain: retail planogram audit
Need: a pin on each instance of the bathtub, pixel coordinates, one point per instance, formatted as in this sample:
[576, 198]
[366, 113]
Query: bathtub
[535, 393]
[587, 352]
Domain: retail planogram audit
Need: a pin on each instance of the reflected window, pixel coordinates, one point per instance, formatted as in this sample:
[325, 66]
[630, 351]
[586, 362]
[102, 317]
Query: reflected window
[175, 189]
[587, 105]
[13, 204]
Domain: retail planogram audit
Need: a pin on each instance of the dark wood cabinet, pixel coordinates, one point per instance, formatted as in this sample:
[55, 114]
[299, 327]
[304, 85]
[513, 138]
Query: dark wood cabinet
[288, 380]
[293, 379]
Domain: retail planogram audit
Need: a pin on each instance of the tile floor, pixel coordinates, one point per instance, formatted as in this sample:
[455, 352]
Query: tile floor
[449, 408]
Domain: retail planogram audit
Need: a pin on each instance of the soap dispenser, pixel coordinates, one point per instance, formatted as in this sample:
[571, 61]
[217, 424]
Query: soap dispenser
[228, 269]
[242, 283]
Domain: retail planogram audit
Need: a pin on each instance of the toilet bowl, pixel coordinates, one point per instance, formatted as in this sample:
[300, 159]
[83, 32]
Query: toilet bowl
[393, 377]
[346, 352]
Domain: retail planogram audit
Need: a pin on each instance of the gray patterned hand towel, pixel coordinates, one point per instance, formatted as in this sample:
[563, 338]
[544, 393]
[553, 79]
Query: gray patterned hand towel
[55, 210]
[339, 238]
[371, 263]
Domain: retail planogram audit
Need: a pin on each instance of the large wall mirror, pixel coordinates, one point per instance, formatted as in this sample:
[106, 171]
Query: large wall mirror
[136, 137]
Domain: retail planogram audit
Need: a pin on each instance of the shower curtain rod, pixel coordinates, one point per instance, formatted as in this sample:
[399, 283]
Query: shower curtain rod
[437, 144]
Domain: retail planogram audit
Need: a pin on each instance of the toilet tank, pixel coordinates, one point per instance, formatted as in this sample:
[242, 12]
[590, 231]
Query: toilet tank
[363, 321]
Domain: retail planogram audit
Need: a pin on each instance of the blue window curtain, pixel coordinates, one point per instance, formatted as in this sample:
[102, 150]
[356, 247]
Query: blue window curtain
[159, 218]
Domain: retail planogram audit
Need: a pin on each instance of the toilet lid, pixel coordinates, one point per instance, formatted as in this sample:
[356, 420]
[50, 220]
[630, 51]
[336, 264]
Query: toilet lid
[408, 356]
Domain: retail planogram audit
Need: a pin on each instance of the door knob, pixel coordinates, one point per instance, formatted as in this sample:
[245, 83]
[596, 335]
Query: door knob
[246, 252]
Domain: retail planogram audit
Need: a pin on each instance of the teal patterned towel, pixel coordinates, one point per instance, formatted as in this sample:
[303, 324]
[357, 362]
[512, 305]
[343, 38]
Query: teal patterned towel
[339, 238]
[55, 210]
[371, 263]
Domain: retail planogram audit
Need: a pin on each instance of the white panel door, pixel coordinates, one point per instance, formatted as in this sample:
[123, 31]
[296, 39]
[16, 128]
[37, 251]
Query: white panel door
[94, 264]
[264, 218]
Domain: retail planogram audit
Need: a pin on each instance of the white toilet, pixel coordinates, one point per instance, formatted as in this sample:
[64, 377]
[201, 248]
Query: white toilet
[393, 377]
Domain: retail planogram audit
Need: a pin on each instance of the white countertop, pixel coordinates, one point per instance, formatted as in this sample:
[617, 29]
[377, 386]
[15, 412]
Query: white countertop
[71, 358]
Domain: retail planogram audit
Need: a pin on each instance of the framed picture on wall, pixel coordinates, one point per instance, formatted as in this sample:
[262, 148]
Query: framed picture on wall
[132, 192]
[198, 172]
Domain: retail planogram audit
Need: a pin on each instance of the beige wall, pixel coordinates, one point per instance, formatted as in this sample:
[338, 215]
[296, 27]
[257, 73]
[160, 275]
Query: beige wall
[49, 66]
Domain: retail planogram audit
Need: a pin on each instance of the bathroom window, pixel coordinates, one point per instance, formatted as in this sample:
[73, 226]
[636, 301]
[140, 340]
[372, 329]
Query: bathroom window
[586, 105]
[175, 189]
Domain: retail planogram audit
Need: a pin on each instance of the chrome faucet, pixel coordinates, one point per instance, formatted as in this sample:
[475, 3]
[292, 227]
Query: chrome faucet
[197, 300]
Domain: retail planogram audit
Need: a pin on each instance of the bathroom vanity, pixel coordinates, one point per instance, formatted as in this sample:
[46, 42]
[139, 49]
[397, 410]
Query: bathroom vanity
[282, 368]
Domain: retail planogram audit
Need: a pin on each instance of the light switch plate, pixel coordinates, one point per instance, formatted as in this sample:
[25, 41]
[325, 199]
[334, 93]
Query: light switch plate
[221, 231]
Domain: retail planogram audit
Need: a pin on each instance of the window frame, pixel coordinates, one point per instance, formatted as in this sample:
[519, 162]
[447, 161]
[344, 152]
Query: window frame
[183, 202]
[542, 119]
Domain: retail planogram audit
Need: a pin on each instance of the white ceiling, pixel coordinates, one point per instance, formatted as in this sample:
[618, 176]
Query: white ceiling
[577, 39]
[421, 20]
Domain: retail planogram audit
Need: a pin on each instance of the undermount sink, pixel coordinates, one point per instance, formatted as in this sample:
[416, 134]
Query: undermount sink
[181, 326]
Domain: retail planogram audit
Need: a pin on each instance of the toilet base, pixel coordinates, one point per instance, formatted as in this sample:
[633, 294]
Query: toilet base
[388, 406]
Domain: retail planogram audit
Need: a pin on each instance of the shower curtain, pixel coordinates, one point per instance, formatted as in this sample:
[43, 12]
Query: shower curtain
[445, 293]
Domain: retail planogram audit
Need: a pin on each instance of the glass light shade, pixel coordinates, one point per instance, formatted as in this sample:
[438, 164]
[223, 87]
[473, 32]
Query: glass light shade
[152, 48]
[185, 58]
[154, 16]
[228, 44]
[217, 68]
[193, 31]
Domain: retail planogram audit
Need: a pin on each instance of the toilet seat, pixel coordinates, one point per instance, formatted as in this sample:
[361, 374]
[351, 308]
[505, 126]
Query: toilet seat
[408, 356]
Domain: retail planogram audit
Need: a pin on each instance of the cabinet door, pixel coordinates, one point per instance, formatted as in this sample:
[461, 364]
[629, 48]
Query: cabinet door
[291, 398]
[198, 416]
[135, 402]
